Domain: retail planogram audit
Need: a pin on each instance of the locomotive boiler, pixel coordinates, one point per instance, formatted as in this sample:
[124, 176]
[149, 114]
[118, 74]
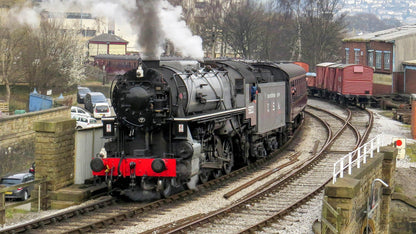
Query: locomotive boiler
[179, 122]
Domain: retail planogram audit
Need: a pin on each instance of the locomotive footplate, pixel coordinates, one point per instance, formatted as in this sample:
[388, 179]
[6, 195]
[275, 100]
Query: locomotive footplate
[212, 165]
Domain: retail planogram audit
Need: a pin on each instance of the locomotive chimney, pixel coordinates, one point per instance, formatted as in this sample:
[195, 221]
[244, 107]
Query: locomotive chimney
[153, 63]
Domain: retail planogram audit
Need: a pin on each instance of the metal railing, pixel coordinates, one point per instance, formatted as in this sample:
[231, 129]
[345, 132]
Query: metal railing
[364, 151]
[41, 188]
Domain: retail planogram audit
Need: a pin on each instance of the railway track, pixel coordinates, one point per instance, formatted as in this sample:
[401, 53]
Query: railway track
[268, 209]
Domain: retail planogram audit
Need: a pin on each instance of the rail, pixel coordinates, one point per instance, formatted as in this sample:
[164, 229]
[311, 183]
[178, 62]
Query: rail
[362, 153]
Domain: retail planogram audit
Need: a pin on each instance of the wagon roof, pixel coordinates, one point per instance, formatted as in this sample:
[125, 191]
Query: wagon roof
[351, 65]
[325, 64]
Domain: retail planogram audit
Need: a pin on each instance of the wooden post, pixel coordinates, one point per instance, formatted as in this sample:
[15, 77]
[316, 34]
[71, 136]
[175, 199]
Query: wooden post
[2, 209]
[413, 122]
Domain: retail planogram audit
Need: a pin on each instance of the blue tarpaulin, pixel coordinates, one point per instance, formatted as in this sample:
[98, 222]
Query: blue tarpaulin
[39, 102]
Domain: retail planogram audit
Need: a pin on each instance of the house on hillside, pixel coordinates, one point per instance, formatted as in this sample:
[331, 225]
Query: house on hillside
[387, 52]
[107, 44]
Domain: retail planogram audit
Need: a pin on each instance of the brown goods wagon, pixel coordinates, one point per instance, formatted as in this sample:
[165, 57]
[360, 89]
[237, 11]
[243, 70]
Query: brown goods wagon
[321, 73]
[354, 79]
[330, 79]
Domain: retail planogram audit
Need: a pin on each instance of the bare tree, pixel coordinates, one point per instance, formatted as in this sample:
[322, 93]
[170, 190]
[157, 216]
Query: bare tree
[11, 38]
[322, 31]
[242, 27]
[52, 57]
[293, 9]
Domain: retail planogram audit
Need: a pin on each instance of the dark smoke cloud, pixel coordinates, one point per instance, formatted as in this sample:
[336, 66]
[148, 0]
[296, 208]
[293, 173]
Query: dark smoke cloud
[150, 28]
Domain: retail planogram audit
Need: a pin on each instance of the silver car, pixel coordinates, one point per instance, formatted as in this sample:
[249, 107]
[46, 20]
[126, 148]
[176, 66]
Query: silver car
[22, 193]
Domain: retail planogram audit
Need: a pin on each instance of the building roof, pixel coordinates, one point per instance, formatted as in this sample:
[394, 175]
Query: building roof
[410, 62]
[106, 37]
[388, 35]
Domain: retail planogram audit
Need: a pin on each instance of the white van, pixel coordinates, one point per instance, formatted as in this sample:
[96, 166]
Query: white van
[101, 110]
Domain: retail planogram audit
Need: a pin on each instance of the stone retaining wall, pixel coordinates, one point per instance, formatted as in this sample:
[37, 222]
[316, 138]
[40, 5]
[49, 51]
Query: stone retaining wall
[17, 138]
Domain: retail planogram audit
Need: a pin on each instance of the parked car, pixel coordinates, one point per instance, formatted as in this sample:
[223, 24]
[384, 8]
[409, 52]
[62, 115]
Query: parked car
[22, 193]
[86, 122]
[101, 110]
[82, 91]
[78, 111]
[93, 98]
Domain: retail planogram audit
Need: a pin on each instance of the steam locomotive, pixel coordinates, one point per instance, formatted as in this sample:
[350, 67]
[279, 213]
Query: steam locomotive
[181, 122]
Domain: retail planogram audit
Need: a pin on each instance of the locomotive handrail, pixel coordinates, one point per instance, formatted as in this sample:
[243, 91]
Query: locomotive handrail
[347, 162]
[216, 114]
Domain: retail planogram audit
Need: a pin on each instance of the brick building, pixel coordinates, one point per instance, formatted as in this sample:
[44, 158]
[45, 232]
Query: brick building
[385, 51]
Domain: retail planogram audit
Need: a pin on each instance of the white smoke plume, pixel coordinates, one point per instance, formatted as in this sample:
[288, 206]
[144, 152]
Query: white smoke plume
[146, 23]
[178, 32]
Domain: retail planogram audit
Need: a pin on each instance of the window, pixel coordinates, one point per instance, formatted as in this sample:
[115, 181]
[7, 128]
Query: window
[370, 58]
[347, 55]
[239, 86]
[357, 56]
[78, 15]
[378, 59]
[387, 60]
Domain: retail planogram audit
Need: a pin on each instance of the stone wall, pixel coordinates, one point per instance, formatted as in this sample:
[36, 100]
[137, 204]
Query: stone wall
[403, 214]
[351, 193]
[17, 138]
[54, 151]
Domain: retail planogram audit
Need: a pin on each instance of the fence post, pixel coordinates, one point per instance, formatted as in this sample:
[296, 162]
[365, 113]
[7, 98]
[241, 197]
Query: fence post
[2, 209]
[341, 169]
[349, 163]
[39, 196]
[365, 154]
[372, 149]
[44, 195]
[378, 144]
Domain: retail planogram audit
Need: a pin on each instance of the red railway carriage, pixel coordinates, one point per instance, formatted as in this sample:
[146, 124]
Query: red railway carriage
[330, 78]
[354, 79]
[344, 83]
[322, 72]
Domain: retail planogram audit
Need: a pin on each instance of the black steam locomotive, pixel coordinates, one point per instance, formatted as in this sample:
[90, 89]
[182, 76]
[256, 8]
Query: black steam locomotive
[179, 122]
